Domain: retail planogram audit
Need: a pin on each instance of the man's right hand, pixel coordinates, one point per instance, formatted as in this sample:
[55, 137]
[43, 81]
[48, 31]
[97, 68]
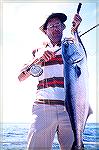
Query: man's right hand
[46, 56]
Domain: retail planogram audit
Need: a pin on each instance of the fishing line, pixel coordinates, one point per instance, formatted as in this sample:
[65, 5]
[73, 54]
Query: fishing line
[89, 30]
[90, 53]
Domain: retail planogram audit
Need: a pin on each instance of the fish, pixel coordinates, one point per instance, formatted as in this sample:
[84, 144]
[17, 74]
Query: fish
[76, 88]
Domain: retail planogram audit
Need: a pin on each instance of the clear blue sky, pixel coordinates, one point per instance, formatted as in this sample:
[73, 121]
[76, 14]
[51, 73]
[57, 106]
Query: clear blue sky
[21, 34]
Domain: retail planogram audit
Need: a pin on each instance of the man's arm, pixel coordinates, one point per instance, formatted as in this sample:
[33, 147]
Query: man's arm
[24, 74]
[47, 55]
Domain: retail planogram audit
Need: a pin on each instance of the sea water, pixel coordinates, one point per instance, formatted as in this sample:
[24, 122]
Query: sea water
[13, 136]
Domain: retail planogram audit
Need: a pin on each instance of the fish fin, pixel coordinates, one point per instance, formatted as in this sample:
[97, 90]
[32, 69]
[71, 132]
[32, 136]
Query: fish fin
[78, 70]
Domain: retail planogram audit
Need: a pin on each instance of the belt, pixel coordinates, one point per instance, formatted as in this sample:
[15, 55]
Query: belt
[49, 102]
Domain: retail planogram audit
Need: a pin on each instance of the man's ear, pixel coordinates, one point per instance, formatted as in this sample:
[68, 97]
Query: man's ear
[41, 28]
[45, 31]
[63, 26]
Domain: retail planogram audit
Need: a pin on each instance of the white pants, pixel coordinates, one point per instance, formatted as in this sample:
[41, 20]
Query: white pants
[47, 120]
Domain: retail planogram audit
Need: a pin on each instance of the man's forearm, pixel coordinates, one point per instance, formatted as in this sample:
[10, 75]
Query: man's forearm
[23, 75]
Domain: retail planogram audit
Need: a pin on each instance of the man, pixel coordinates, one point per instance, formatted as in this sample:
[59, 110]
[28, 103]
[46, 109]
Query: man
[49, 113]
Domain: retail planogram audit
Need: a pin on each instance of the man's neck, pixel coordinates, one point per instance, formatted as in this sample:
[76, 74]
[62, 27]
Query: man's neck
[58, 43]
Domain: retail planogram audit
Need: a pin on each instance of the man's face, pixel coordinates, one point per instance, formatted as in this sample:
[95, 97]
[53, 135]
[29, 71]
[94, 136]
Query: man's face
[54, 30]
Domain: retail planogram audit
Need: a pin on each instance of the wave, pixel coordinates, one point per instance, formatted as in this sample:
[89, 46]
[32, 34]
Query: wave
[14, 137]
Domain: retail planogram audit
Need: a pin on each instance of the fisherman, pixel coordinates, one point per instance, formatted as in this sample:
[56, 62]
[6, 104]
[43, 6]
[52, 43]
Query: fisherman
[49, 113]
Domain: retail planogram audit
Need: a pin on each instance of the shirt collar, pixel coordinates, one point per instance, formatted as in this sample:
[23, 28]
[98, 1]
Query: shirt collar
[49, 44]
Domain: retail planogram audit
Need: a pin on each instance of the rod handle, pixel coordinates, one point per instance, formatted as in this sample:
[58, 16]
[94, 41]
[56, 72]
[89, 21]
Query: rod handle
[79, 7]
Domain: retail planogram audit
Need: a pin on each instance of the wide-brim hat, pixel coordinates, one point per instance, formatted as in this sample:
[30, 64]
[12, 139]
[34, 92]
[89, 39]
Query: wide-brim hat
[62, 17]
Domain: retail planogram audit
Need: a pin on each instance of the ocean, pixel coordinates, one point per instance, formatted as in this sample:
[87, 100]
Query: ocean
[13, 136]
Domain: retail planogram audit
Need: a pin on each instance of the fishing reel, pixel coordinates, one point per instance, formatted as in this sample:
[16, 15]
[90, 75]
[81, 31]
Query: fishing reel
[36, 70]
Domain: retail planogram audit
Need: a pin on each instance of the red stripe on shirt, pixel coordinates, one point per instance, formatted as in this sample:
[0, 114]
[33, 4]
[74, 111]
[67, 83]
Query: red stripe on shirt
[56, 60]
[51, 82]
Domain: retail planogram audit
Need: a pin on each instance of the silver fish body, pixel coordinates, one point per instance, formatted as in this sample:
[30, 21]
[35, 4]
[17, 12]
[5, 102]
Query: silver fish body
[76, 89]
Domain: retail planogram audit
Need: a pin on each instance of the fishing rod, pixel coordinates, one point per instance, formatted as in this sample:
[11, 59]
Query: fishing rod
[35, 69]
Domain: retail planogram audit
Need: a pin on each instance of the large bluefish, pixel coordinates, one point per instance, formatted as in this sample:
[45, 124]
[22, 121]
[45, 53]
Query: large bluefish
[76, 87]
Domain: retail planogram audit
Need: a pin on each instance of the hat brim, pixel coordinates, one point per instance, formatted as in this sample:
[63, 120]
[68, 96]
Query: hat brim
[62, 17]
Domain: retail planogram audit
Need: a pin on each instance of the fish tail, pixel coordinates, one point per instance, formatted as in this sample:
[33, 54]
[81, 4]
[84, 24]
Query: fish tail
[76, 147]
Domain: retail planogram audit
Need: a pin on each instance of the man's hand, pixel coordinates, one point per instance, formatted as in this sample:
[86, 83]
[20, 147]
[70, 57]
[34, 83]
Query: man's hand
[46, 56]
[76, 22]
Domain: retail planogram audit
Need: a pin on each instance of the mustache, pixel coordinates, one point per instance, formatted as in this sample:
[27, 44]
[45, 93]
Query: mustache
[56, 32]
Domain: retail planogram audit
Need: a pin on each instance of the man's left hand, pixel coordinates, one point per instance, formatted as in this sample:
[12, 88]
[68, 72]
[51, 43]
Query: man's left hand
[76, 22]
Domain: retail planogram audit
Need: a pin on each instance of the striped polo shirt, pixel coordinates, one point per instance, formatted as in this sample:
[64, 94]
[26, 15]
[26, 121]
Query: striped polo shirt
[51, 82]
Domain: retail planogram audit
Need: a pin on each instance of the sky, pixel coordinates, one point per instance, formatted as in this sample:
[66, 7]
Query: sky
[21, 34]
